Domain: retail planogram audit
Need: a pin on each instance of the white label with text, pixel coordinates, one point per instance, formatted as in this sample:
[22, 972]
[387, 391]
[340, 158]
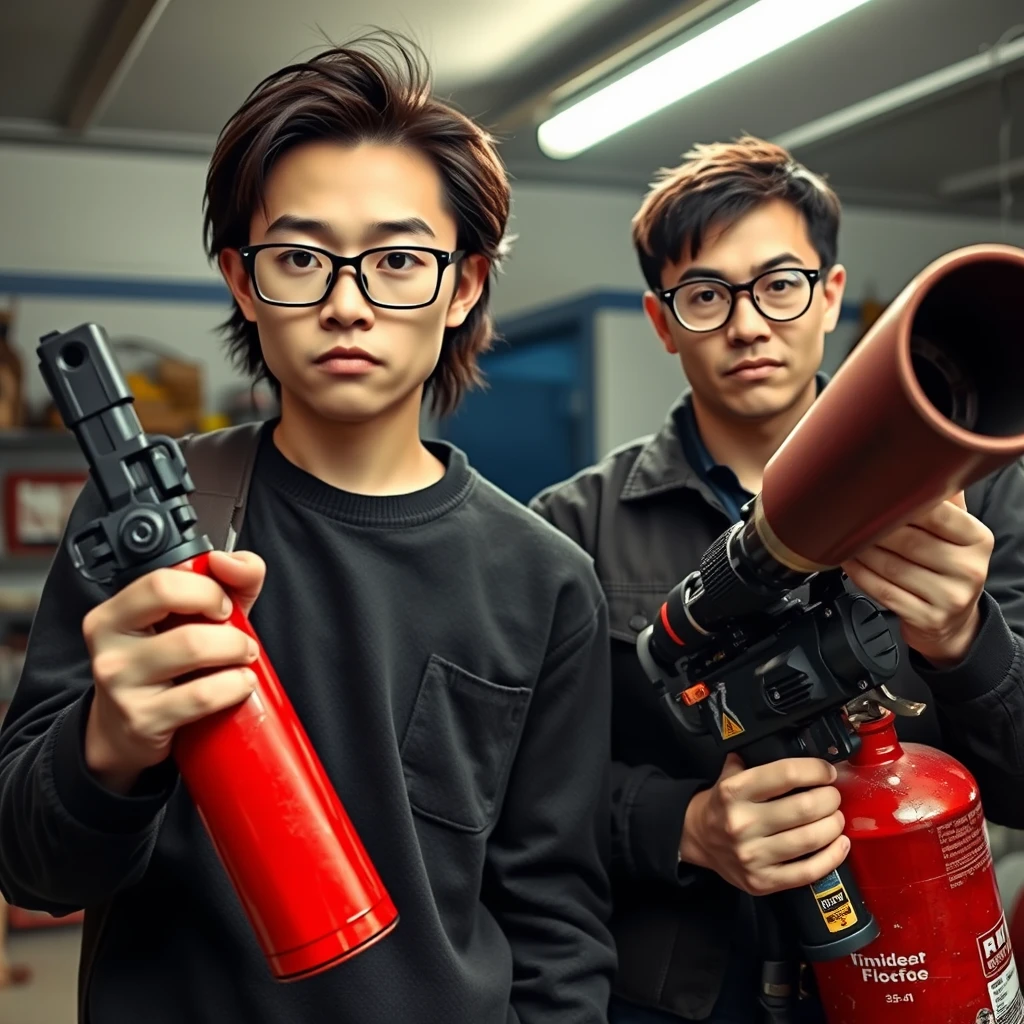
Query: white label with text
[1001, 975]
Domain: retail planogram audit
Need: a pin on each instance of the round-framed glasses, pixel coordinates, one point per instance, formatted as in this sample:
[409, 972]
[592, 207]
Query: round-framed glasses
[706, 303]
[393, 277]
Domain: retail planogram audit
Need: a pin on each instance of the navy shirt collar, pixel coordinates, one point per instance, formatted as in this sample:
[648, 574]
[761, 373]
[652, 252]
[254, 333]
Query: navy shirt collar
[721, 479]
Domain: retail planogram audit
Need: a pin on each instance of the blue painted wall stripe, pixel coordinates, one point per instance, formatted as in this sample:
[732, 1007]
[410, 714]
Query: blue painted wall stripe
[553, 315]
[133, 289]
[215, 292]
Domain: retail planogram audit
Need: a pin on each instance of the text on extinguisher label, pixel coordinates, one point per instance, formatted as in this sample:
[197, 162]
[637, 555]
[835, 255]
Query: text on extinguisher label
[900, 968]
[964, 846]
[994, 947]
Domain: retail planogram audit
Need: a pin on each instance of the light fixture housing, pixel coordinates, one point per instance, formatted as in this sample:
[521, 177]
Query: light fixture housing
[705, 57]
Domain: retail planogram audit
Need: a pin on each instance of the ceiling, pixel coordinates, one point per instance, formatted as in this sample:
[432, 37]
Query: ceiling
[165, 74]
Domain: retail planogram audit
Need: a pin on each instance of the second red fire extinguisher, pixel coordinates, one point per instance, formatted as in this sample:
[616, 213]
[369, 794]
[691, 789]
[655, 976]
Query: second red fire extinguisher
[920, 851]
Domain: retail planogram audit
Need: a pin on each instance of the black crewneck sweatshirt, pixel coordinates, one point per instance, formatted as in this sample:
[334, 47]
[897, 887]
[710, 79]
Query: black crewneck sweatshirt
[447, 652]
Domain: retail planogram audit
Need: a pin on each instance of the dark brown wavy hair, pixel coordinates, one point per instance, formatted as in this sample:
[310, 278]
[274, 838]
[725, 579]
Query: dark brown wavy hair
[374, 89]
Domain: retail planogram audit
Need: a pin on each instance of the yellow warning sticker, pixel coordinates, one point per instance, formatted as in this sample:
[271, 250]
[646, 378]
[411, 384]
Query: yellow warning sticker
[730, 727]
[834, 904]
[728, 723]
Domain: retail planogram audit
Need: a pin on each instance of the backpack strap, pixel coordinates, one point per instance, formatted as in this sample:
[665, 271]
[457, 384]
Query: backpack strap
[220, 463]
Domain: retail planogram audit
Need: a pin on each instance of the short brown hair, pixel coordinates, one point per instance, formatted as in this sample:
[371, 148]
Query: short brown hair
[375, 89]
[718, 183]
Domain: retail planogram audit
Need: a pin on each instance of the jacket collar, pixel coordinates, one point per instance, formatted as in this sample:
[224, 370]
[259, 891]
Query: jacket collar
[662, 464]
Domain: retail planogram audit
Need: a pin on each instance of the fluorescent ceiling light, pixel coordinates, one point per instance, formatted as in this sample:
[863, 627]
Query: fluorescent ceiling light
[705, 58]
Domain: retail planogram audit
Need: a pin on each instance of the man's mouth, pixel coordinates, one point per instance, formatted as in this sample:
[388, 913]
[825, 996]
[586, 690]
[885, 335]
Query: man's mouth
[754, 369]
[347, 362]
[340, 352]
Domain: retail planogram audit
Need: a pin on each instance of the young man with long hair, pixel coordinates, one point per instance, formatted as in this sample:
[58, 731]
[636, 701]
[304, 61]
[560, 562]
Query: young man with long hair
[445, 649]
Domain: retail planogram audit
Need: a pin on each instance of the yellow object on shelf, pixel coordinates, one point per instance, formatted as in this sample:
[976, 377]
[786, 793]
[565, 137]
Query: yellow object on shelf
[213, 421]
[144, 389]
[167, 389]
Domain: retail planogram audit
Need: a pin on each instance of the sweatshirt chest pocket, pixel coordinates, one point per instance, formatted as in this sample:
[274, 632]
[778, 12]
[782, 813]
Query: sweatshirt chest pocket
[459, 745]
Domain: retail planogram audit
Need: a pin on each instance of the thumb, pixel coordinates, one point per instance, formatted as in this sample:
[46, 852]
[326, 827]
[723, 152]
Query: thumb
[959, 500]
[733, 766]
[241, 573]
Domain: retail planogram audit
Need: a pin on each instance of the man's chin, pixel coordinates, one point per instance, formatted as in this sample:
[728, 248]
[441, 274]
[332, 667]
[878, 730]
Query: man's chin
[350, 413]
[764, 403]
[354, 406]
[357, 406]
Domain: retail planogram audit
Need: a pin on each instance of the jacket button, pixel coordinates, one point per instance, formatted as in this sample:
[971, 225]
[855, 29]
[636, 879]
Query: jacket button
[638, 623]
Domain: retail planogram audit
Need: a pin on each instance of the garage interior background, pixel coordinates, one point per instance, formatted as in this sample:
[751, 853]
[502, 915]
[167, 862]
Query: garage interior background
[109, 109]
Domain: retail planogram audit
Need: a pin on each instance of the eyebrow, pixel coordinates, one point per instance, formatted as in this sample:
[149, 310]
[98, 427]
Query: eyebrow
[408, 226]
[303, 225]
[775, 261]
[323, 230]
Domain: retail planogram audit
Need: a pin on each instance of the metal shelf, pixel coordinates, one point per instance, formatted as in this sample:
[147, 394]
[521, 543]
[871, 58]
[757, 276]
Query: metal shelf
[38, 439]
[25, 563]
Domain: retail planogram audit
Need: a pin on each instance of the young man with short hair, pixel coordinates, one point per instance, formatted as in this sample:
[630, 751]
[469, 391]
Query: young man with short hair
[446, 650]
[738, 247]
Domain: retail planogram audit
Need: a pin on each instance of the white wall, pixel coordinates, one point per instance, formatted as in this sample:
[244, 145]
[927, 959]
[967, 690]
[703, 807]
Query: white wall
[139, 216]
[635, 380]
[570, 241]
[101, 213]
[87, 214]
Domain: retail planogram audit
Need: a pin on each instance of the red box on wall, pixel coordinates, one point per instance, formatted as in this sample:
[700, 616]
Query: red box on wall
[36, 509]
[21, 920]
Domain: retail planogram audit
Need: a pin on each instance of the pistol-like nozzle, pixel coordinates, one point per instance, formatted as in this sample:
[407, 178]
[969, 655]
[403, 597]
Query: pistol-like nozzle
[81, 374]
[143, 480]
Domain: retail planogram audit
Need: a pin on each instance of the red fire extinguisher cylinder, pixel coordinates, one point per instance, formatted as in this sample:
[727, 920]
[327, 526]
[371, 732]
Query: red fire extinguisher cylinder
[305, 880]
[920, 852]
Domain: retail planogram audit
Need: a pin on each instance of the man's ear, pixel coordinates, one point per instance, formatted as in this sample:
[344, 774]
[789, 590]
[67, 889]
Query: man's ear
[237, 279]
[472, 276]
[833, 289]
[658, 314]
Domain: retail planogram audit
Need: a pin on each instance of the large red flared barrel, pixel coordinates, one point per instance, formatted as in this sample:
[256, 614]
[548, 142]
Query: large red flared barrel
[928, 403]
[920, 853]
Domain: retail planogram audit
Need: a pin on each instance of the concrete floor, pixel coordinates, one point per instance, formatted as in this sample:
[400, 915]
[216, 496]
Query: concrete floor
[50, 996]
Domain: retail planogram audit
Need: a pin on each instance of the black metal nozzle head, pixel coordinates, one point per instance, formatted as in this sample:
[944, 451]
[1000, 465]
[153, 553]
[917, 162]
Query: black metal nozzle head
[81, 373]
[143, 480]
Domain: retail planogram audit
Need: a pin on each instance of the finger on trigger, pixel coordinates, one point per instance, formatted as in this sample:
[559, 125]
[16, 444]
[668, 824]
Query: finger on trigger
[774, 780]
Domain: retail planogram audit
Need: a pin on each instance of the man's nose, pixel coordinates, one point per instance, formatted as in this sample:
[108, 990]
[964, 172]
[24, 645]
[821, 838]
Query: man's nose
[345, 303]
[747, 326]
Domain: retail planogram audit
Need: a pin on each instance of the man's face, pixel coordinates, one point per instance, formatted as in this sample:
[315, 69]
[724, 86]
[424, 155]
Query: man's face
[345, 358]
[752, 367]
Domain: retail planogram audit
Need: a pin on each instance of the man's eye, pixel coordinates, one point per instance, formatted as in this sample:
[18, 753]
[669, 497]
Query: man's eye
[399, 261]
[299, 259]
